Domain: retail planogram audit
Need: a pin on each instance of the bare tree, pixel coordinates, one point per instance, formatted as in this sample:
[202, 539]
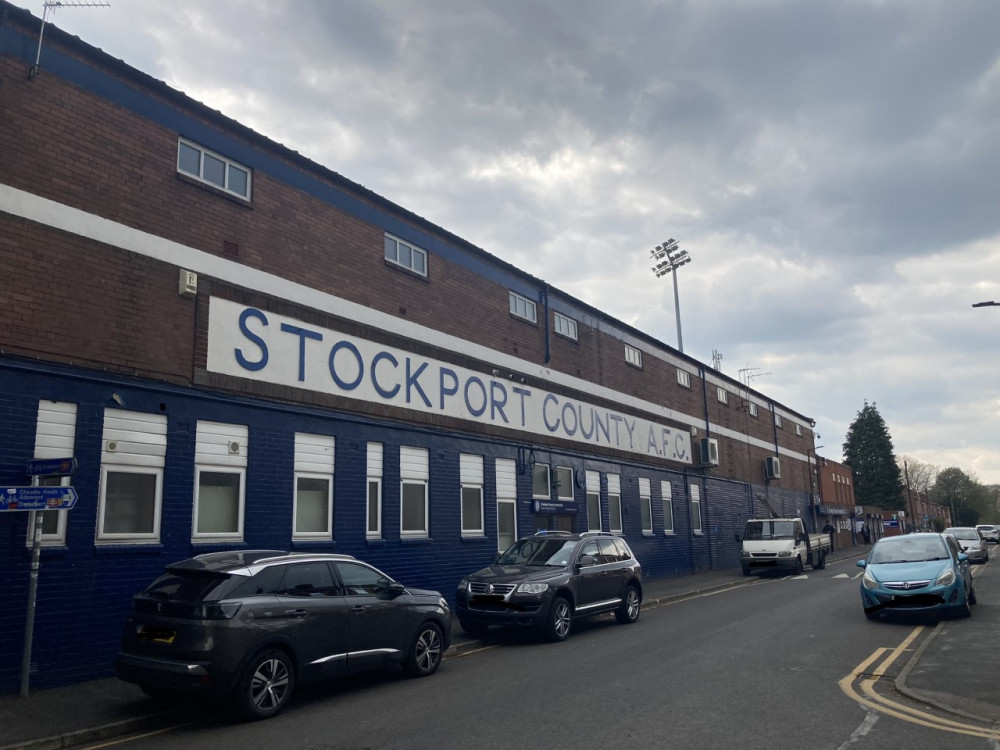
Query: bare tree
[921, 475]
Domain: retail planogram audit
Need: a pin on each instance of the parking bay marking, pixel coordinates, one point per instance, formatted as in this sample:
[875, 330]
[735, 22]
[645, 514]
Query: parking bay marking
[867, 678]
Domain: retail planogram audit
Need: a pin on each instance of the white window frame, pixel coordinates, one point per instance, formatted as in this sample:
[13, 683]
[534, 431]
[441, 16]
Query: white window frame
[593, 484]
[722, 394]
[522, 307]
[229, 164]
[777, 419]
[374, 483]
[314, 459]
[565, 326]
[414, 472]
[55, 436]
[753, 408]
[506, 476]
[667, 494]
[472, 478]
[132, 443]
[696, 523]
[615, 521]
[564, 482]
[392, 245]
[633, 356]
[645, 506]
[683, 378]
[548, 481]
[220, 449]
[798, 430]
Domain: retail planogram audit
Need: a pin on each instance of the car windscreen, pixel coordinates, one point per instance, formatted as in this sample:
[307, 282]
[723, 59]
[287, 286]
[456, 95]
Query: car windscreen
[903, 550]
[770, 530]
[188, 586]
[536, 551]
[968, 534]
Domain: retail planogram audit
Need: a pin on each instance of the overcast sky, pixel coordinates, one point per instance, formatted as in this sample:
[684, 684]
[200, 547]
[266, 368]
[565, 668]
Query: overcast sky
[831, 167]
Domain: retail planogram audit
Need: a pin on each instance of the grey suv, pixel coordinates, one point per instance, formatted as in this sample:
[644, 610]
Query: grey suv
[250, 625]
[550, 579]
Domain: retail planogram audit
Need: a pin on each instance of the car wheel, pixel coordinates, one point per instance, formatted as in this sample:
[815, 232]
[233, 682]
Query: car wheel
[560, 620]
[965, 610]
[266, 685]
[872, 614]
[746, 571]
[972, 595]
[820, 560]
[798, 566]
[475, 629]
[628, 612]
[426, 651]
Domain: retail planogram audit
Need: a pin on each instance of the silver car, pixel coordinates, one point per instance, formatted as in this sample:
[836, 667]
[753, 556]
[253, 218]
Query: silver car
[971, 542]
[990, 532]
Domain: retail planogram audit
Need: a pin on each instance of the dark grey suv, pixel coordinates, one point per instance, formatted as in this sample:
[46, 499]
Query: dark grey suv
[548, 580]
[251, 625]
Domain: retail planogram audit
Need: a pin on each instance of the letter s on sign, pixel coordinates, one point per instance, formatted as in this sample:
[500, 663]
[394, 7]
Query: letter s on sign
[245, 363]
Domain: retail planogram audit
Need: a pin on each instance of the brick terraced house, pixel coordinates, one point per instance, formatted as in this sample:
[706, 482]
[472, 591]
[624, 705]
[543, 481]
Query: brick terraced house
[241, 348]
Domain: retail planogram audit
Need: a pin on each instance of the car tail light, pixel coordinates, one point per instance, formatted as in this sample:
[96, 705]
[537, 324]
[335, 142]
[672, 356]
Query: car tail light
[209, 611]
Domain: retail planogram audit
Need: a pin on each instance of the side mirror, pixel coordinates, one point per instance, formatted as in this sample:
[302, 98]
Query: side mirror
[395, 589]
[586, 560]
[962, 557]
[861, 563]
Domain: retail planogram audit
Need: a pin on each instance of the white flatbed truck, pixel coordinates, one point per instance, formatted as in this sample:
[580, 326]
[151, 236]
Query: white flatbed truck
[781, 544]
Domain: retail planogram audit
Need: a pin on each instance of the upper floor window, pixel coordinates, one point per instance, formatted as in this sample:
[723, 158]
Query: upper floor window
[777, 420]
[523, 307]
[723, 395]
[410, 257]
[633, 356]
[540, 482]
[565, 326]
[753, 408]
[212, 168]
[798, 430]
[684, 378]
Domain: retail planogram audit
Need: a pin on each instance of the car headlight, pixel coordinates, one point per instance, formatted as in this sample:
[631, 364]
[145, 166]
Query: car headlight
[946, 579]
[532, 588]
[463, 585]
[443, 603]
[868, 580]
[785, 553]
[744, 553]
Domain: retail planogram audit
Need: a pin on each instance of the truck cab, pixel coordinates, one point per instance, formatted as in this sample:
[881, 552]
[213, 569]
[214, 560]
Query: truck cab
[781, 544]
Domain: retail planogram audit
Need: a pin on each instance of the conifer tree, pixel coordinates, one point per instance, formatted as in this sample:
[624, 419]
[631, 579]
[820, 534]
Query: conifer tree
[868, 451]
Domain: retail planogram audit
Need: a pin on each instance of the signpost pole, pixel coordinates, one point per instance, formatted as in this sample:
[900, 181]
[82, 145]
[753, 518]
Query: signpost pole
[29, 624]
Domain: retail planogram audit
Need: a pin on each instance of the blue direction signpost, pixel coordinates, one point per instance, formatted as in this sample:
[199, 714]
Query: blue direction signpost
[47, 467]
[37, 498]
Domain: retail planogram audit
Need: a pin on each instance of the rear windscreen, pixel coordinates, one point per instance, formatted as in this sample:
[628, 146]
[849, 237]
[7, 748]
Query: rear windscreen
[192, 587]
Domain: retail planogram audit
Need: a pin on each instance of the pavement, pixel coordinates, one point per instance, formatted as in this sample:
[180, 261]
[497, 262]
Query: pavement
[954, 679]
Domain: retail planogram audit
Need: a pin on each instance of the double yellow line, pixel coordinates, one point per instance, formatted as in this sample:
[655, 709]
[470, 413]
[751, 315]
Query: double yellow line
[864, 678]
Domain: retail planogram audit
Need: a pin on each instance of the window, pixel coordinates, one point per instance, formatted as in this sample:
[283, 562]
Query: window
[615, 503]
[506, 470]
[593, 501]
[668, 507]
[753, 408]
[211, 168]
[564, 483]
[374, 511]
[723, 395]
[360, 580]
[540, 486]
[414, 477]
[684, 378]
[405, 255]
[55, 435]
[133, 453]
[220, 469]
[633, 356]
[313, 502]
[471, 472]
[645, 506]
[565, 326]
[798, 430]
[310, 579]
[522, 307]
[695, 509]
[777, 420]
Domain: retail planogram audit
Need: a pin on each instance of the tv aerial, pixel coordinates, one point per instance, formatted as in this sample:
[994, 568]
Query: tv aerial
[50, 6]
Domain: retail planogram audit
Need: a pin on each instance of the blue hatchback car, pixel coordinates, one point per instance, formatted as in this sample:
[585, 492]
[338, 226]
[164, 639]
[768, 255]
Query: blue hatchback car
[918, 573]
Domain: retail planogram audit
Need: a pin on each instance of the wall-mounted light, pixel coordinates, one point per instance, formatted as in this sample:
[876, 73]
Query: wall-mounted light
[525, 459]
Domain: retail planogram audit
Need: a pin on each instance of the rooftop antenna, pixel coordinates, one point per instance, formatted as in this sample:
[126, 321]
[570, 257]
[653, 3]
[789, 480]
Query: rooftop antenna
[748, 373]
[51, 5]
[717, 360]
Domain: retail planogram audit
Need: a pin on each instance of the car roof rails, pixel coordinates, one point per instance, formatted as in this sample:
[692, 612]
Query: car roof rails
[597, 533]
[552, 532]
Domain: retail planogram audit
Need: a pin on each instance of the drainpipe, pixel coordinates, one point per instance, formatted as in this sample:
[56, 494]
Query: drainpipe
[545, 309]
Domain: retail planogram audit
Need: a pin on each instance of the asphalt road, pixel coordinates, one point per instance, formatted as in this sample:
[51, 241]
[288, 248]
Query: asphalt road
[765, 665]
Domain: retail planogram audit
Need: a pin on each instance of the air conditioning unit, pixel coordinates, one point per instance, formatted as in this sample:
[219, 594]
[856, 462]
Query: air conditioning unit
[709, 452]
[187, 285]
[234, 447]
[772, 467]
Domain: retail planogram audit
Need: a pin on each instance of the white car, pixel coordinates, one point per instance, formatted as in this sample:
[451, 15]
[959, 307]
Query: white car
[990, 533]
